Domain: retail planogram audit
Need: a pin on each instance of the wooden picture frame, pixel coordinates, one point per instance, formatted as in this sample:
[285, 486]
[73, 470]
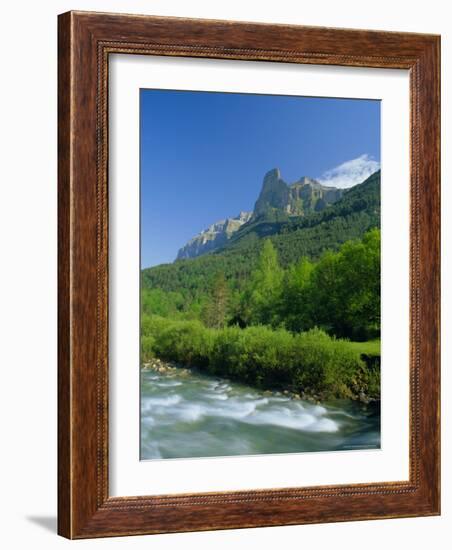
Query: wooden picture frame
[85, 42]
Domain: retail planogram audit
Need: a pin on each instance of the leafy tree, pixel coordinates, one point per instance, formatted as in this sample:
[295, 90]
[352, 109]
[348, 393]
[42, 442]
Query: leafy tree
[158, 302]
[360, 273]
[325, 295]
[296, 300]
[263, 295]
[345, 289]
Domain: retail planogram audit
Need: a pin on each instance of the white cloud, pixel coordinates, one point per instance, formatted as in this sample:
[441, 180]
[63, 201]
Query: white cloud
[350, 173]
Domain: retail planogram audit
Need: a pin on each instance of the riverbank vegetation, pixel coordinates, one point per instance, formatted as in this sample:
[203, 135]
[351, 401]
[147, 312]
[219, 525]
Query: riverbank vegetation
[279, 327]
[309, 362]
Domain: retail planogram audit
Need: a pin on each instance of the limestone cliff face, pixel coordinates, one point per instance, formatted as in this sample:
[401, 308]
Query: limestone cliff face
[277, 200]
[297, 199]
[274, 194]
[213, 237]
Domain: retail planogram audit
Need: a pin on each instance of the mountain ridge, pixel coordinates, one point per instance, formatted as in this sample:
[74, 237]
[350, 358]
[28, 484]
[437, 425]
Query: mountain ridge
[277, 201]
[213, 237]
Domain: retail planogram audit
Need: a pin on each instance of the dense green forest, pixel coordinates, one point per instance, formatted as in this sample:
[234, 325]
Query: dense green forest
[282, 325]
[339, 293]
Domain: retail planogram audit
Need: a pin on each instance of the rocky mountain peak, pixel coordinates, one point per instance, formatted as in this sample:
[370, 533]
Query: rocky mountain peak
[272, 176]
[274, 194]
[296, 199]
[277, 200]
[305, 180]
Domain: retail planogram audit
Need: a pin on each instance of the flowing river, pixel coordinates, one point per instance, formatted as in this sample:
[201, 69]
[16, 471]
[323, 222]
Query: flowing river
[193, 415]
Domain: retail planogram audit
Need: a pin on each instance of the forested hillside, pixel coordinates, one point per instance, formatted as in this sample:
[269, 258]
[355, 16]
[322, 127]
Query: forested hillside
[306, 236]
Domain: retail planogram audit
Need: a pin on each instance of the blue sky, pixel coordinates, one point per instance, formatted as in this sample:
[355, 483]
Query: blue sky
[204, 155]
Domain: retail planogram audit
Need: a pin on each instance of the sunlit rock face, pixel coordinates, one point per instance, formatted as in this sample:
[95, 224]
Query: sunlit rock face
[297, 199]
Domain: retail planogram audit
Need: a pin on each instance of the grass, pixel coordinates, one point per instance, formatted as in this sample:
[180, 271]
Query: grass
[371, 347]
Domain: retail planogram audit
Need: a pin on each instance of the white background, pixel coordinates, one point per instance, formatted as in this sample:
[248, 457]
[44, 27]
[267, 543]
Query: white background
[28, 271]
[128, 476]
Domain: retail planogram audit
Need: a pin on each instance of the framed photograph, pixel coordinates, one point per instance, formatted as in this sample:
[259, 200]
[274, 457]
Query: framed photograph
[248, 275]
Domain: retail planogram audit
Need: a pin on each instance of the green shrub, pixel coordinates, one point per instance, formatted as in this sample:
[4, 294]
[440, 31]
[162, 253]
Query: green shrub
[266, 358]
[187, 342]
[147, 347]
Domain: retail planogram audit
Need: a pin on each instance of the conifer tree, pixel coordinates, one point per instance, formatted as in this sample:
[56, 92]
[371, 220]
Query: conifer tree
[215, 311]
